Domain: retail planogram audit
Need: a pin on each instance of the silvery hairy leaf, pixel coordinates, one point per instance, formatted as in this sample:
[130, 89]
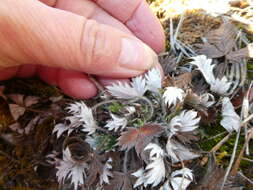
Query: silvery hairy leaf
[205, 66]
[173, 95]
[184, 122]
[219, 86]
[69, 169]
[124, 90]
[207, 99]
[230, 119]
[154, 172]
[154, 80]
[116, 123]
[81, 116]
[181, 179]
[104, 178]
[178, 152]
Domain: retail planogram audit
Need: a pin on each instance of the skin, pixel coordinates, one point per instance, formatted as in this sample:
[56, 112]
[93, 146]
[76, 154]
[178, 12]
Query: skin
[62, 41]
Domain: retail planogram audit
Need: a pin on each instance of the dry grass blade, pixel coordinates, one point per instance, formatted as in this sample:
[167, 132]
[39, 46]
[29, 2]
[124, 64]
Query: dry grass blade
[240, 156]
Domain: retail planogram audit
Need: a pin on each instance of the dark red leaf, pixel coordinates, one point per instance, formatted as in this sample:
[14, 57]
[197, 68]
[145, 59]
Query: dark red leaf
[139, 138]
[17, 98]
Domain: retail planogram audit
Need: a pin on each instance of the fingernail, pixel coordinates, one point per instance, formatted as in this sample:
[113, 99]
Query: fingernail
[136, 55]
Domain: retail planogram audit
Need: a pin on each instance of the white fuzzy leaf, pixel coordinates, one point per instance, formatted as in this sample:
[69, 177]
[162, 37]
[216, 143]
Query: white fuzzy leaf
[177, 152]
[207, 100]
[116, 123]
[173, 95]
[59, 129]
[86, 117]
[139, 84]
[230, 119]
[122, 90]
[155, 172]
[181, 179]
[130, 110]
[81, 116]
[165, 186]
[220, 86]
[75, 108]
[139, 174]
[125, 90]
[69, 169]
[154, 80]
[186, 121]
[205, 67]
[155, 152]
[104, 178]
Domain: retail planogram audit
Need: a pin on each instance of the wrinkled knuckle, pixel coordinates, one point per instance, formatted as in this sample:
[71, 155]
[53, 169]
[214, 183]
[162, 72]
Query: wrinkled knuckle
[93, 43]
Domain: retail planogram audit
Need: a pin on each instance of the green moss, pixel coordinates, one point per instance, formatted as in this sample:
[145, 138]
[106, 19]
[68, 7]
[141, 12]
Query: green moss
[115, 107]
[250, 69]
[208, 132]
[105, 142]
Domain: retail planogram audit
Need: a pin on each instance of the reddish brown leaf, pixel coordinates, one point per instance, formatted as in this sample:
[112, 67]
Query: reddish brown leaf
[23, 101]
[246, 52]
[184, 80]
[16, 127]
[30, 100]
[208, 117]
[187, 137]
[214, 176]
[17, 98]
[120, 181]
[237, 100]
[16, 111]
[220, 41]
[95, 170]
[139, 138]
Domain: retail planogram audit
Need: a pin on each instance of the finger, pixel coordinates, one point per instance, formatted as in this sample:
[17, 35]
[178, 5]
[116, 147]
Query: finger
[72, 83]
[139, 19]
[48, 74]
[134, 13]
[8, 73]
[26, 71]
[76, 84]
[90, 10]
[69, 41]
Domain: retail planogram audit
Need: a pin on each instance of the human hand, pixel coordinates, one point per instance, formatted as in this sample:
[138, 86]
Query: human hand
[61, 40]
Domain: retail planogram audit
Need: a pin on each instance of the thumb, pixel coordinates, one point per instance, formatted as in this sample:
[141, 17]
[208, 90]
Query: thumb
[31, 32]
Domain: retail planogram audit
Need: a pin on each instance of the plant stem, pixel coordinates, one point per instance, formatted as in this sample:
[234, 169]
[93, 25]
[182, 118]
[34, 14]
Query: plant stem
[125, 161]
[238, 161]
[103, 103]
[151, 111]
[244, 122]
[232, 158]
